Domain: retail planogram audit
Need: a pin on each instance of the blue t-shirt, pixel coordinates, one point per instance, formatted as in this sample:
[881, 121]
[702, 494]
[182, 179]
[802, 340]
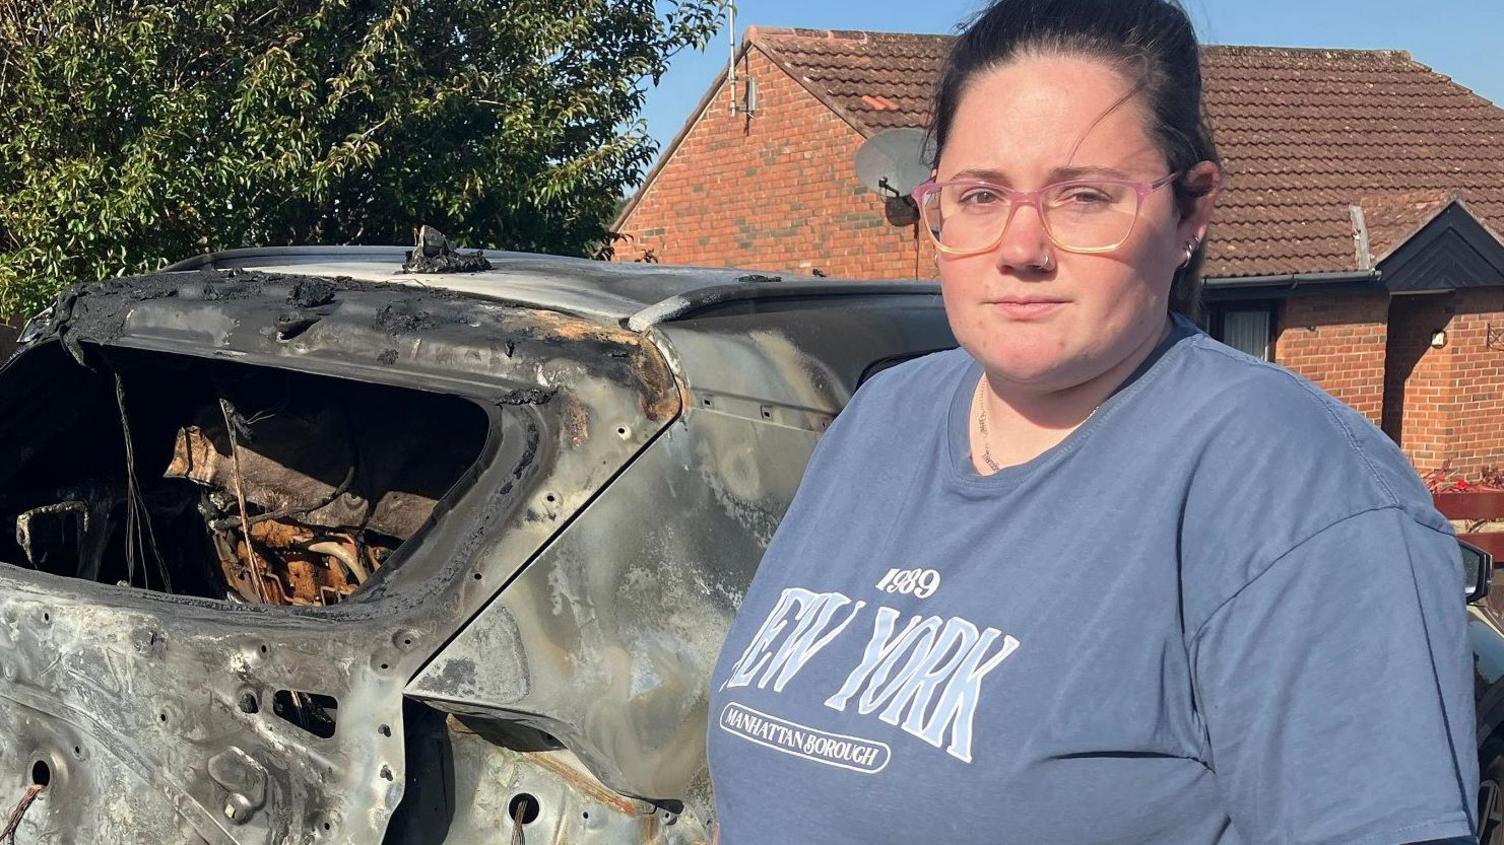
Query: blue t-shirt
[1222, 610]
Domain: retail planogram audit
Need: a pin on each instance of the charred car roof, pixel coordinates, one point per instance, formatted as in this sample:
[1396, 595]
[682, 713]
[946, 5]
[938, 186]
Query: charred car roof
[450, 339]
[612, 291]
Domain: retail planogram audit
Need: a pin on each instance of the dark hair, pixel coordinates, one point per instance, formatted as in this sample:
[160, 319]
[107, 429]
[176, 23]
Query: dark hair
[1152, 42]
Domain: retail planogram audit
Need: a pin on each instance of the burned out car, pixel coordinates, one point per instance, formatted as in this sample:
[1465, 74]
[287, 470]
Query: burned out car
[299, 548]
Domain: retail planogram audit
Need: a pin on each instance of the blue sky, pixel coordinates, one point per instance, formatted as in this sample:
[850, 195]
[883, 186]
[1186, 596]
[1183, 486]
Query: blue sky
[1463, 39]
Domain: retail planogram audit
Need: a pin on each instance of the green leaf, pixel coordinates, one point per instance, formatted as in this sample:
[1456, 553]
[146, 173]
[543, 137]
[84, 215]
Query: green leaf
[139, 133]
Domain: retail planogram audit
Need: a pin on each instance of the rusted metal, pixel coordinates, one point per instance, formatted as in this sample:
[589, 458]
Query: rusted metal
[302, 565]
[588, 786]
[660, 401]
[493, 777]
[13, 820]
[292, 467]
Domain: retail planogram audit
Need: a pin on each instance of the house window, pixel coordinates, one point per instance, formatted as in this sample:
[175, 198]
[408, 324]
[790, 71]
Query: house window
[1246, 330]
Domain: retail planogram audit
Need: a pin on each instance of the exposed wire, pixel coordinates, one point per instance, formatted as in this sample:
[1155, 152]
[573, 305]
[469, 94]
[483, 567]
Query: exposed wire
[519, 818]
[9, 833]
[245, 524]
[140, 536]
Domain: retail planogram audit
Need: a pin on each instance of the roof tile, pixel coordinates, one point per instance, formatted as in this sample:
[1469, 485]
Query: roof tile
[1304, 135]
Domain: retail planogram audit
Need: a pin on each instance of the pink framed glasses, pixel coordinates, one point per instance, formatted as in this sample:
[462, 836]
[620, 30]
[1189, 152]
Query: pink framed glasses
[968, 216]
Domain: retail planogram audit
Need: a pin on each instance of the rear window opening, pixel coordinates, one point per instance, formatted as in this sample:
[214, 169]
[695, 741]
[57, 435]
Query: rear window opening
[219, 479]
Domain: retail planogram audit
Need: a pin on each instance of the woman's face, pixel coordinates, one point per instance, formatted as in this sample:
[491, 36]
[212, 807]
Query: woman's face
[1032, 314]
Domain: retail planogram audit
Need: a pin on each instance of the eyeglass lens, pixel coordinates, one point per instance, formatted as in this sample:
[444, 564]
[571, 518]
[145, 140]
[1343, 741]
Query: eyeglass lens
[1077, 215]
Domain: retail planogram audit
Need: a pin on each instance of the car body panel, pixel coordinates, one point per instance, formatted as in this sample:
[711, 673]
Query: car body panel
[147, 686]
[636, 595]
[499, 636]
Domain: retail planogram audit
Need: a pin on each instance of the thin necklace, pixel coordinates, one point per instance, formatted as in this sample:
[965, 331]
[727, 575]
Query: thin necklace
[982, 425]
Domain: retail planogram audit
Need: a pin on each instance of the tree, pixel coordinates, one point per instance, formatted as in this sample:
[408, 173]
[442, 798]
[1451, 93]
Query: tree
[133, 132]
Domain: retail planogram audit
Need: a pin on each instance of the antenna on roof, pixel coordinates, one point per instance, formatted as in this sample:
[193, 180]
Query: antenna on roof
[731, 57]
[748, 105]
[893, 163]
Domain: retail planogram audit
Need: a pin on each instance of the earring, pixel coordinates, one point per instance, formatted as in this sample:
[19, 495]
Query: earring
[1190, 252]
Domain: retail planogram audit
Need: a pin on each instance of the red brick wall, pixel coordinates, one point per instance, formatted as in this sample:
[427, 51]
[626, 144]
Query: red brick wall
[1338, 342]
[1451, 406]
[776, 191]
[1418, 380]
[1475, 339]
[1446, 406]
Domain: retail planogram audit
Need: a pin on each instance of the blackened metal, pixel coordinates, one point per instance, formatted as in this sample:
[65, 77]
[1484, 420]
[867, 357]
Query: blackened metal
[433, 253]
[608, 522]
[311, 293]
[528, 396]
[293, 323]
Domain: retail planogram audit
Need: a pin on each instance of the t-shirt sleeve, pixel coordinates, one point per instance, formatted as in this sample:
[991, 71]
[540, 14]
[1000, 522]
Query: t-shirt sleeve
[1336, 690]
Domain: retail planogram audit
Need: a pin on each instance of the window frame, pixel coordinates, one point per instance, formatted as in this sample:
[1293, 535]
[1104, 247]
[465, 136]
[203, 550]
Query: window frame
[1218, 321]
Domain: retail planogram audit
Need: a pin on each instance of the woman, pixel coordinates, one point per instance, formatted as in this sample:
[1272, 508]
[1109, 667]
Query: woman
[1093, 577]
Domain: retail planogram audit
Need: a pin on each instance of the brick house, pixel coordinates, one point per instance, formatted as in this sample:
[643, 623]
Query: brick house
[1353, 243]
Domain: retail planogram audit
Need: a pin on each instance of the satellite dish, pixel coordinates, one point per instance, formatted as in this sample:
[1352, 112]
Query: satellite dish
[894, 161]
